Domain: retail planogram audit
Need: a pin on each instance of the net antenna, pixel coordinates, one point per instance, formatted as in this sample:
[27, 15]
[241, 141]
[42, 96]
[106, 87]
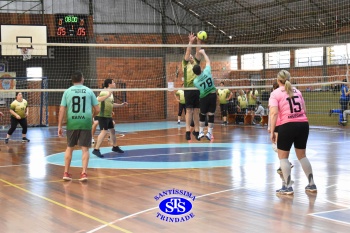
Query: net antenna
[26, 53]
[347, 63]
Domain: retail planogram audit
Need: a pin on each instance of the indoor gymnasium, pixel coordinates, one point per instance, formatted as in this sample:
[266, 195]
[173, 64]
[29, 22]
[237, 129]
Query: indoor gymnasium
[174, 116]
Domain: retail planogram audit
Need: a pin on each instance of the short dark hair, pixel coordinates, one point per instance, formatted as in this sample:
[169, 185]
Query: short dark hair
[77, 77]
[107, 82]
[344, 80]
[222, 83]
[197, 69]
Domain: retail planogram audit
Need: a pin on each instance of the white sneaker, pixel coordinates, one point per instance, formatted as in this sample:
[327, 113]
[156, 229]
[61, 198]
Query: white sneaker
[209, 136]
[200, 135]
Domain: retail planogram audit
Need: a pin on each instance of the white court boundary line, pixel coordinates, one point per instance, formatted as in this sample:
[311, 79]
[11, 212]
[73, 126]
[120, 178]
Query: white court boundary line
[346, 207]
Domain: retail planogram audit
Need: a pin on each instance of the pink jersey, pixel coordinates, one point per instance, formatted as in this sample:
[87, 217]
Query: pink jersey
[289, 109]
[278, 121]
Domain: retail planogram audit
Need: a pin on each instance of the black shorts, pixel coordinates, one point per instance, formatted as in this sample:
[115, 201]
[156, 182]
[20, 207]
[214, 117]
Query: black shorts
[192, 98]
[223, 108]
[105, 123]
[293, 132]
[276, 129]
[79, 137]
[96, 118]
[208, 104]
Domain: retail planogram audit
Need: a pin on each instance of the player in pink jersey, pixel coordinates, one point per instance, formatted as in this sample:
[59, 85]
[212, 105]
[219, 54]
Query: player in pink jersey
[274, 145]
[287, 104]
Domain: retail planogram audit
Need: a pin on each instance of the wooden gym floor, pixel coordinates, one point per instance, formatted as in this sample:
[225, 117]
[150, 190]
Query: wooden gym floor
[232, 182]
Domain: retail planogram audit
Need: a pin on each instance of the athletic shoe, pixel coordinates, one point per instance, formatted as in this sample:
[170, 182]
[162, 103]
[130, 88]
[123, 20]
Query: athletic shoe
[83, 177]
[330, 112]
[311, 188]
[24, 139]
[208, 136]
[343, 122]
[92, 141]
[188, 135]
[200, 135]
[178, 122]
[284, 190]
[224, 123]
[67, 176]
[196, 134]
[279, 170]
[97, 153]
[6, 140]
[117, 149]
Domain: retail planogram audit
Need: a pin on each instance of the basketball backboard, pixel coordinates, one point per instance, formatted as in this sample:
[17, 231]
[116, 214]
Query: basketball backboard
[24, 35]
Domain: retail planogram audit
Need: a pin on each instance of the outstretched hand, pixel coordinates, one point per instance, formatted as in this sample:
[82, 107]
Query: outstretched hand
[191, 38]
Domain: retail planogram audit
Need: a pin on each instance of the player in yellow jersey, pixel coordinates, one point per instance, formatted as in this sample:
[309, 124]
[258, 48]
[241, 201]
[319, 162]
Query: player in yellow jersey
[191, 96]
[19, 113]
[180, 97]
[224, 96]
[105, 119]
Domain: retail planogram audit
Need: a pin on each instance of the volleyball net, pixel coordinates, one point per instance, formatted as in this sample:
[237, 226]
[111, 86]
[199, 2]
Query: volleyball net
[147, 76]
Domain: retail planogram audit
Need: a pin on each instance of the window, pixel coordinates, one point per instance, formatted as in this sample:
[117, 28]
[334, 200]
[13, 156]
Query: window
[35, 73]
[338, 54]
[252, 61]
[234, 62]
[280, 59]
[309, 57]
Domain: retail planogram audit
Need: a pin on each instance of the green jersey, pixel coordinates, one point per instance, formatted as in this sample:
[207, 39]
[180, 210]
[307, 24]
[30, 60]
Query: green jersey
[19, 108]
[106, 106]
[223, 95]
[205, 82]
[181, 95]
[189, 76]
[79, 100]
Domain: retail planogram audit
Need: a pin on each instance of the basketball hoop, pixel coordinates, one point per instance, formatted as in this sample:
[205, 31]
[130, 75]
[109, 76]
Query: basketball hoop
[26, 53]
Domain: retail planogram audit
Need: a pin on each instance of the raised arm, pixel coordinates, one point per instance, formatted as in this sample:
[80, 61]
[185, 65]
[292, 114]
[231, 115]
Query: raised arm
[191, 38]
[206, 58]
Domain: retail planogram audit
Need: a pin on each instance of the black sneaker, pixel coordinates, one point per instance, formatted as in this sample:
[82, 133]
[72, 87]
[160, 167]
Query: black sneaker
[97, 153]
[6, 140]
[196, 134]
[117, 149]
[24, 139]
[188, 135]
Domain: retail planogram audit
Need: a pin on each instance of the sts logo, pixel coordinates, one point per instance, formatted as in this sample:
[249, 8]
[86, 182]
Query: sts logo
[175, 208]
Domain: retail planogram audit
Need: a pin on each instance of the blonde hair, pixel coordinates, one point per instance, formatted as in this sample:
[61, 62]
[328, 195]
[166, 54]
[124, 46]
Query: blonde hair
[284, 76]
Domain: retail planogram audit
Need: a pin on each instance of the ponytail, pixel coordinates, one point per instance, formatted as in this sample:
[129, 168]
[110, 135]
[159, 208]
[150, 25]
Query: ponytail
[289, 89]
[284, 76]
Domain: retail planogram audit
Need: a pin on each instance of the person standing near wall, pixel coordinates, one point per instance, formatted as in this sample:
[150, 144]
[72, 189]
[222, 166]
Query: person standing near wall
[180, 97]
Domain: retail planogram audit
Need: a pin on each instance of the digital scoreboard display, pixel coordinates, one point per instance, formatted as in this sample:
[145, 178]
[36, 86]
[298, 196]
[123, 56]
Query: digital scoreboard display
[71, 25]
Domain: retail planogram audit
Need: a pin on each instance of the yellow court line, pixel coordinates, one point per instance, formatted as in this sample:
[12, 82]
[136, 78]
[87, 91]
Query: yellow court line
[66, 207]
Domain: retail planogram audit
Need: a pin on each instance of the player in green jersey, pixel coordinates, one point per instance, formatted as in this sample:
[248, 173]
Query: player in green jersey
[78, 103]
[207, 93]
